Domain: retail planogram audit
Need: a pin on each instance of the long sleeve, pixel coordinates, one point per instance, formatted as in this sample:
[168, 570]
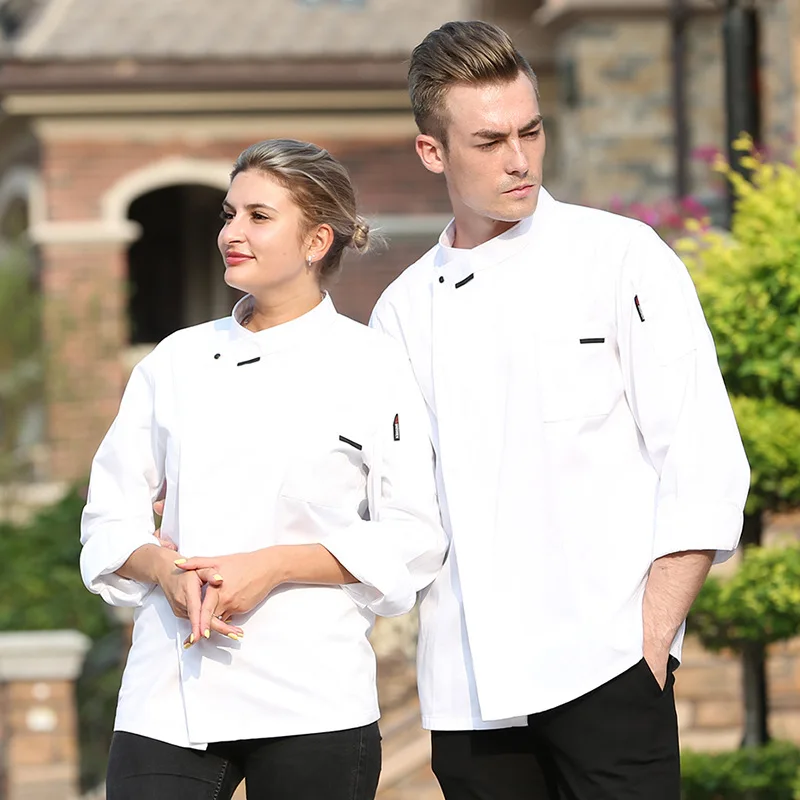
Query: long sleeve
[678, 398]
[401, 548]
[127, 473]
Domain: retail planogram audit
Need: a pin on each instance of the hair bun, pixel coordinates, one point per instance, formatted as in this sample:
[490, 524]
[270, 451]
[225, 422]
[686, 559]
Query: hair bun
[361, 239]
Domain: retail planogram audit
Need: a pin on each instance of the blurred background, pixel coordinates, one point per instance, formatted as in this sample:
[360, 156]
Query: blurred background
[119, 123]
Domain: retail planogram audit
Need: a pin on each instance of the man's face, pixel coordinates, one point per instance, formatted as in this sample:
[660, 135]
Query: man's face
[495, 147]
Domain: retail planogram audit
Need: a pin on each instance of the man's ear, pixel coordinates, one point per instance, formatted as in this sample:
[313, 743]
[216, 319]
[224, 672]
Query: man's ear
[430, 152]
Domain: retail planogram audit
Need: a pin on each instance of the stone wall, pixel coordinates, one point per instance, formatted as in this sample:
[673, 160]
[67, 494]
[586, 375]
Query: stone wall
[616, 121]
[614, 113]
[780, 74]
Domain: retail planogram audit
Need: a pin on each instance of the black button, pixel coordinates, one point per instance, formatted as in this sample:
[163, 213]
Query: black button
[441, 279]
[216, 355]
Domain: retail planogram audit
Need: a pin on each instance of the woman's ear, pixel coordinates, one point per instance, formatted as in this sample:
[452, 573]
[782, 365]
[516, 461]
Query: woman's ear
[319, 242]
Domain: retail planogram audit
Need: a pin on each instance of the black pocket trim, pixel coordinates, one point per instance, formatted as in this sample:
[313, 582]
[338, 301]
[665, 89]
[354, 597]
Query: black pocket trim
[595, 340]
[466, 280]
[249, 361]
[350, 442]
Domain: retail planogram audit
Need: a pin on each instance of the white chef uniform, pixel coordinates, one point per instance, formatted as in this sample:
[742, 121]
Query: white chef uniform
[582, 430]
[310, 431]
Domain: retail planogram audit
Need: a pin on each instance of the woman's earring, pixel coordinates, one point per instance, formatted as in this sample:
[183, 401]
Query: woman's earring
[309, 261]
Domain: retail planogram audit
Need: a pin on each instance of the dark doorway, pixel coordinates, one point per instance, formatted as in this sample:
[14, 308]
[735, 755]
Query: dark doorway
[174, 269]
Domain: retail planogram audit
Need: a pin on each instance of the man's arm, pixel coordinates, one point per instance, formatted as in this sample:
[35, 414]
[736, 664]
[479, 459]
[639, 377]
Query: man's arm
[672, 586]
[681, 407]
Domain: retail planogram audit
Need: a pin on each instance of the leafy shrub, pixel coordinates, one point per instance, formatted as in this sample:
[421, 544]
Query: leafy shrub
[769, 772]
[759, 603]
[42, 587]
[749, 279]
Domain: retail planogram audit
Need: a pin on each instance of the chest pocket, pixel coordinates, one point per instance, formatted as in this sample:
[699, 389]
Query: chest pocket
[579, 376]
[329, 469]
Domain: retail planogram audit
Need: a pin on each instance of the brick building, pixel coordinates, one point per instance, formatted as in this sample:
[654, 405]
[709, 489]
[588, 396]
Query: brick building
[120, 121]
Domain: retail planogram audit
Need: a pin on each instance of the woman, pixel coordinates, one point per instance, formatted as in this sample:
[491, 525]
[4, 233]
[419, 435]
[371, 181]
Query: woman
[301, 500]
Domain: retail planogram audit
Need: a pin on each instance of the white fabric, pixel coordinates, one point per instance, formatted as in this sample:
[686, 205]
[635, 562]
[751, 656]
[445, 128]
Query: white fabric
[564, 468]
[252, 457]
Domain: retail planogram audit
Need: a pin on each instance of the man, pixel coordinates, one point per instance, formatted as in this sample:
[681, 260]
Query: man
[588, 461]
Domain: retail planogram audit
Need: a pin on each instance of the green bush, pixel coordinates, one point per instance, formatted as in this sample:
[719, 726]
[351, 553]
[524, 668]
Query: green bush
[42, 590]
[759, 603]
[769, 772]
[42, 587]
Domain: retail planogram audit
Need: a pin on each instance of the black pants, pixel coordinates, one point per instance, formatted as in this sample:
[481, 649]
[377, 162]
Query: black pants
[619, 742]
[341, 765]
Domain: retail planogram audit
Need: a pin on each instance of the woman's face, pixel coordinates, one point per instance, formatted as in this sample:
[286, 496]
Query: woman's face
[262, 240]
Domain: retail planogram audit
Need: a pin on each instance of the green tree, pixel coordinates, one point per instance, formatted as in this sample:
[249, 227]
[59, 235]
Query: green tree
[748, 280]
[21, 360]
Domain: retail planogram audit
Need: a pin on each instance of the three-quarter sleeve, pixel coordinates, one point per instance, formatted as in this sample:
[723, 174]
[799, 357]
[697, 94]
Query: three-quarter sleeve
[400, 549]
[127, 474]
[678, 398]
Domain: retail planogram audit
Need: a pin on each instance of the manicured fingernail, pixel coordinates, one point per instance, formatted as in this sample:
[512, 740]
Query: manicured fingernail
[191, 639]
[218, 577]
[179, 561]
[206, 633]
[233, 636]
[187, 645]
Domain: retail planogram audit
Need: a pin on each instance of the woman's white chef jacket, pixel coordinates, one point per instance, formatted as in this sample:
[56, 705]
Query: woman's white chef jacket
[311, 431]
[582, 430]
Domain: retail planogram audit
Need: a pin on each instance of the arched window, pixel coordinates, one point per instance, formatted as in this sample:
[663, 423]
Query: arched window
[175, 271]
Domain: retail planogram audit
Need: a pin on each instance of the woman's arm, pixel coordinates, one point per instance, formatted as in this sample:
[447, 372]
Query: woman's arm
[245, 579]
[152, 564]
[127, 473]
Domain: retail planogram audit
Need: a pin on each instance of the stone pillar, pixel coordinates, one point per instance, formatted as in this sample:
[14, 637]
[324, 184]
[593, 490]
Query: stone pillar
[38, 725]
[84, 274]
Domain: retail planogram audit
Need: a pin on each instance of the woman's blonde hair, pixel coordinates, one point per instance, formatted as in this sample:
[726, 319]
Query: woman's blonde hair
[320, 186]
[459, 53]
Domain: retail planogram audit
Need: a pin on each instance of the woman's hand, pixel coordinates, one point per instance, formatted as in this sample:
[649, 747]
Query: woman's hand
[244, 580]
[184, 593]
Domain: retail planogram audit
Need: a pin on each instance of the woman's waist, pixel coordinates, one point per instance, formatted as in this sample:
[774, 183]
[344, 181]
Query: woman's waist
[319, 613]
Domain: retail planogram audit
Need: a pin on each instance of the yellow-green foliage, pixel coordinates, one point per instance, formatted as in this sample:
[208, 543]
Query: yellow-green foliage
[749, 284]
[771, 435]
[760, 602]
[749, 279]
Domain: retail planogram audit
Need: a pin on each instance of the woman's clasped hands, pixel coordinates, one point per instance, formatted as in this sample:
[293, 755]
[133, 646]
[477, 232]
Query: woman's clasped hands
[210, 591]
[233, 584]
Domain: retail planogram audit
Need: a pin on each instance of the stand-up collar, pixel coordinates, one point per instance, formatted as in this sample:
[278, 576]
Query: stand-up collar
[500, 247]
[288, 334]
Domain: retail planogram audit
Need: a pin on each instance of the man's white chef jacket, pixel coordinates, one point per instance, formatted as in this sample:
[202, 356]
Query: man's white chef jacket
[582, 430]
[311, 431]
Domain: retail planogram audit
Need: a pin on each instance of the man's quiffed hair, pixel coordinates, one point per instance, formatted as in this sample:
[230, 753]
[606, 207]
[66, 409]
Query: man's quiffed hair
[467, 53]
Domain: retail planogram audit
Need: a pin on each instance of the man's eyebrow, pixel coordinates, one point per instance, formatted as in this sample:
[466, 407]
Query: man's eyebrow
[535, 122]
[486, 133]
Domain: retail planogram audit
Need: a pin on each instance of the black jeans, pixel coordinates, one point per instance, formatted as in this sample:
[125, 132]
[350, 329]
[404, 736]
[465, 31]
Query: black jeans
[618, 742]
[340, 765]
